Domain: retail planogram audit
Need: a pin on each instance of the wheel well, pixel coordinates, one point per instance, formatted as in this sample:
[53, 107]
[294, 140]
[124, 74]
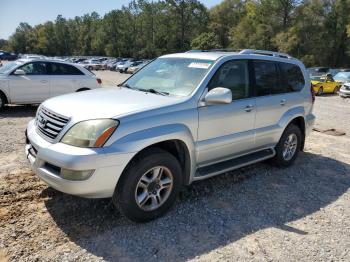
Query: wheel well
[2, 94]
[300, 122]
[179, 150]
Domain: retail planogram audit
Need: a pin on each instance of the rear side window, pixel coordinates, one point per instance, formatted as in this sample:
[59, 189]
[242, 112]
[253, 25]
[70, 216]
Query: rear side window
[293, 77]
[234, 76]
[267, 78]
[62, 69]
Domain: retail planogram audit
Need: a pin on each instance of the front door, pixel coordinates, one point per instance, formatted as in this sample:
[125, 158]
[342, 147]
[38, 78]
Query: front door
[227, 130]
[33, 87]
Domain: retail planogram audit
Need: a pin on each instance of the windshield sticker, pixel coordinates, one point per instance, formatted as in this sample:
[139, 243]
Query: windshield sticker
[199, 65]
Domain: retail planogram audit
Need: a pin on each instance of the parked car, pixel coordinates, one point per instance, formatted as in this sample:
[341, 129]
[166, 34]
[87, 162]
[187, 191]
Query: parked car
[324, 84]
[123, 66]
[8, 56]
[182, 118]
[342, 77]
[33, 81]
[318, 71]
[136, 66]
[344, 91]
[92, 64]
[335, 71]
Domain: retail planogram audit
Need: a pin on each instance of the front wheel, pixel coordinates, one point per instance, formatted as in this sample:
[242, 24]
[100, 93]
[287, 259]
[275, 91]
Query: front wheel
[288, 147]
[149, 185]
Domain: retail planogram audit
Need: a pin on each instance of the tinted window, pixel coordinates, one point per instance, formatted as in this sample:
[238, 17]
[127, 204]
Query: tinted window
[36, 68]
[234, 76]
[293, 77]
[267, 80]
[62, 69]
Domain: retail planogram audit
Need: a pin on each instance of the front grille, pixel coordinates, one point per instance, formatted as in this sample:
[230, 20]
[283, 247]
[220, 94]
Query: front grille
[50, 124]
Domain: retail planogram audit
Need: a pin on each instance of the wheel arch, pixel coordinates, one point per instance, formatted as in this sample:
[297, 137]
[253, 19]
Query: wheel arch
[3, 94]
[299, 121]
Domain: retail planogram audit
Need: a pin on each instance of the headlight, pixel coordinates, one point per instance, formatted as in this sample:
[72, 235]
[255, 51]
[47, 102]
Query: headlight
[90, 133]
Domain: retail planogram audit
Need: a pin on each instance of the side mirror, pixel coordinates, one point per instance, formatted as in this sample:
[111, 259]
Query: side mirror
[19, 72]
[218, 95]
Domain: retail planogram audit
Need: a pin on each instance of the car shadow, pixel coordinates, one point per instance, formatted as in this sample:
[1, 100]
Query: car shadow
[14, 111]
[209, 214]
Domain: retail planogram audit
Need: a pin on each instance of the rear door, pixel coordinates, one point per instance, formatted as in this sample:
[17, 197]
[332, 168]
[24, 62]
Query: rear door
[64, 79]
[276, 88]
[33, 87]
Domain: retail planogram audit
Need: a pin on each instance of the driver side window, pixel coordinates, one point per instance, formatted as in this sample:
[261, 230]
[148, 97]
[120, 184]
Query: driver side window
[36, 68]
[233, 75]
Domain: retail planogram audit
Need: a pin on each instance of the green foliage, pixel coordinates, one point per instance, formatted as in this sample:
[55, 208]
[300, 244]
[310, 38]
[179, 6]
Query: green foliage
[205, 41]
[315, 31]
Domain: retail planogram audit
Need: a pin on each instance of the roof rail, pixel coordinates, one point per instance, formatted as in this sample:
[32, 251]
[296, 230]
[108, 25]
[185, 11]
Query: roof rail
[264, 52]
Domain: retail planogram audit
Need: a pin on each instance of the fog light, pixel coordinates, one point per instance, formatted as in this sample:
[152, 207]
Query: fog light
[76, 175]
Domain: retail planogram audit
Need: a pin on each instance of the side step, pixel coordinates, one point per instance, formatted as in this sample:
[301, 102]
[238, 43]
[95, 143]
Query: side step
[231, 164]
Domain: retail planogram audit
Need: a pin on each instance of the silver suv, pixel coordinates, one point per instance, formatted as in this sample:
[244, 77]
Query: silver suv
[183, 117]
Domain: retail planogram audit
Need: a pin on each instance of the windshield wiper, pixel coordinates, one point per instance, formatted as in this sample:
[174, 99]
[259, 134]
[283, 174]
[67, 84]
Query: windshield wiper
[125, 85]
[153, 91]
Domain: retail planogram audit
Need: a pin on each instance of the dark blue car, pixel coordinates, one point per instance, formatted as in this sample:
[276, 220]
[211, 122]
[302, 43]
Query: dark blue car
[7, 55]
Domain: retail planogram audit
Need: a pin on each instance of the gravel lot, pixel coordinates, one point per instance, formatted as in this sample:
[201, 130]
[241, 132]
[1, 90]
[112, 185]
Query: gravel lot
[258, 213]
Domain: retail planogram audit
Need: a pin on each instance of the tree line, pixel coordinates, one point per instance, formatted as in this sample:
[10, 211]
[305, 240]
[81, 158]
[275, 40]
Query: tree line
[315, 31]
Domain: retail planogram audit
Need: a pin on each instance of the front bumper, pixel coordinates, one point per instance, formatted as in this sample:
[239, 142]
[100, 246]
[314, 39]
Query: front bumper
[46, 160]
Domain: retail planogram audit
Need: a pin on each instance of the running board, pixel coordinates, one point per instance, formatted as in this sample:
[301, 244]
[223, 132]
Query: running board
[231, 164]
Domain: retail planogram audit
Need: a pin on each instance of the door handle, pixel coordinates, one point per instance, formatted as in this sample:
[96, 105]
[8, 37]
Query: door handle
[283, 102]
[43, 81]
[248, 108]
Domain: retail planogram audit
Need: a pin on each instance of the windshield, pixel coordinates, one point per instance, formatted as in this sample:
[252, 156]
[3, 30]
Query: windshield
[343, 76]
[317, 78]
[174, 76]
[8, 67]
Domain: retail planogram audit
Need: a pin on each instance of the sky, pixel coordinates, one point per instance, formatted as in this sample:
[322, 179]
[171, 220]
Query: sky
[39, 11]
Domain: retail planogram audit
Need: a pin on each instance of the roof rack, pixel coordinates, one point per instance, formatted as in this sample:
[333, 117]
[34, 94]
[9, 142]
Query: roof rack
[264, 52]
[246, 52]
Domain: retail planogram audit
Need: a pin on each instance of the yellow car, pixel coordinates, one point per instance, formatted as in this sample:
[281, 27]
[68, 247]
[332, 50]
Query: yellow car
[324, 85]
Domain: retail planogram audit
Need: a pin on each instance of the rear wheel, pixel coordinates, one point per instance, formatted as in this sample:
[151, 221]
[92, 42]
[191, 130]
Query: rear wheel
[288, 147]
[320, 91]
[149, 185]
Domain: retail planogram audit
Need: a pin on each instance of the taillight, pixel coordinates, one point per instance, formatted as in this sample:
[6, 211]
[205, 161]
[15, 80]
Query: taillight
[312, 93]
[99, 81]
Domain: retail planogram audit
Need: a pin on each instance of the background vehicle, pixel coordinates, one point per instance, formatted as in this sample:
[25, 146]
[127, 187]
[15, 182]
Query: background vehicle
[8, 56]
[182, 118]
[345, 90]
[324, 85]
[33, 81]
[342, 77]
[136, 66]
[123, 66]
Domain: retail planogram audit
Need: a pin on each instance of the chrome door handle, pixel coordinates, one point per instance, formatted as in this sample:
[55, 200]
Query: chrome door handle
[283, 102]
[43, 81]
[248, 108]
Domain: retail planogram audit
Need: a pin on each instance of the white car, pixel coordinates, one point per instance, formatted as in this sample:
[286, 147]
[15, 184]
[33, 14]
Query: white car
[33, 81]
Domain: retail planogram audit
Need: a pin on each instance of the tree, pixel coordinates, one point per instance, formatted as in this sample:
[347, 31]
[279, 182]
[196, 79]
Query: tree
[205, 41]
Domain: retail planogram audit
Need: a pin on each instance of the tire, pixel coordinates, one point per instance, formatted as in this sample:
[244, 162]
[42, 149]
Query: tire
[138, 198]
[320, 91]
[3, 101]
[281, 159]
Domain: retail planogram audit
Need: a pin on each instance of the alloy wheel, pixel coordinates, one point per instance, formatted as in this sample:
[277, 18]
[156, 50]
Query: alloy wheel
[154, 188]
[290, 147]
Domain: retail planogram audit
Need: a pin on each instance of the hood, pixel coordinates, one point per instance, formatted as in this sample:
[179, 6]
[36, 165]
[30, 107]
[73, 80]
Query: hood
[106, 103]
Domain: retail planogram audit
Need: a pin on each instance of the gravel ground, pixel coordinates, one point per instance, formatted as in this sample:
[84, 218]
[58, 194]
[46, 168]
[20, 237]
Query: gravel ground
[257, 213]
